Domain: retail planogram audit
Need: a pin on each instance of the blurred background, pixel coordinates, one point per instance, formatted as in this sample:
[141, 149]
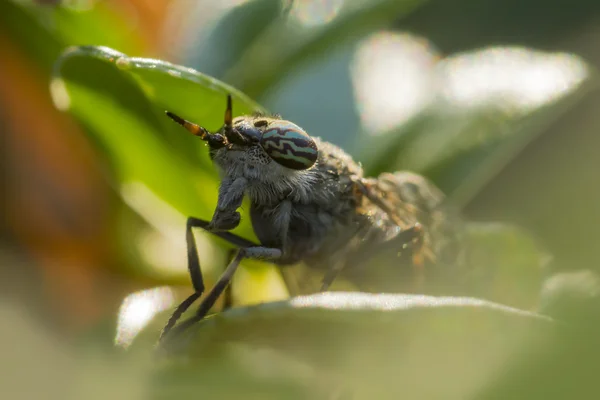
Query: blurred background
[494, 100]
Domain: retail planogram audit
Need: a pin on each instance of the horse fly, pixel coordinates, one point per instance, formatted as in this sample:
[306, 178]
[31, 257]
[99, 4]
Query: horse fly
[311, 203]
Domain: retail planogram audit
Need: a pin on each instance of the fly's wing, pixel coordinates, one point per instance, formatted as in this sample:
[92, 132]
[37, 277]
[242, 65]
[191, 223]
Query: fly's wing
[408, 200]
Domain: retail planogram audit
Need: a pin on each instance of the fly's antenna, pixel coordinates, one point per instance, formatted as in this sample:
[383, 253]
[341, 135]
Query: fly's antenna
[194, 129]
[228, 120]
[214, 140]
[228, 113]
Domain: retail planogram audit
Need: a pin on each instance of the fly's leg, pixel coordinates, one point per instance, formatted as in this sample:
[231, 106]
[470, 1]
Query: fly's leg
[194, 265]
[331, 274]
[255, 252]
[227, 296]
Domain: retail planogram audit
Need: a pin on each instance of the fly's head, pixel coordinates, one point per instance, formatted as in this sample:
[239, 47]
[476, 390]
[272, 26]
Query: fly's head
[257, 147]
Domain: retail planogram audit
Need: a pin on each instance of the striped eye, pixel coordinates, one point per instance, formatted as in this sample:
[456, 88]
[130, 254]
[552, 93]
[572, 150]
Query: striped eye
[288, 145]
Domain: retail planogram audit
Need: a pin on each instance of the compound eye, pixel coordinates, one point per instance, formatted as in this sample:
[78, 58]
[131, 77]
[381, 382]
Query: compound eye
[289, 145]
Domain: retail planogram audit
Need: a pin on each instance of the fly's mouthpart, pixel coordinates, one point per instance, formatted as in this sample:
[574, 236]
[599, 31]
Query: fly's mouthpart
[214, 140]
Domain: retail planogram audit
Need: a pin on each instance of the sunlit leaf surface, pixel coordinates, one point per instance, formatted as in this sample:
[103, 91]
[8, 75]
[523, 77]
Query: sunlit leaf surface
[138, 309]
[397, 336]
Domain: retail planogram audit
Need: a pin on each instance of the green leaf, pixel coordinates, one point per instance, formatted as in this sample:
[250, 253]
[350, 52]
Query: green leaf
[572, 353]
[123, 100]
[506, 264]
[257, 373]
[406, 341]
[51, 29]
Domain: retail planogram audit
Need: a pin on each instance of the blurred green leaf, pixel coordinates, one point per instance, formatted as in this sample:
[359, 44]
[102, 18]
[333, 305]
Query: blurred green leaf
[216, 46]
[99, 25]
[506, 264]
[550, 188]
[39, 41]
[566, 368]
[462, 149]
[257, 373]
[44, 31]
[406, 341]
[284, 47]
[468, 24]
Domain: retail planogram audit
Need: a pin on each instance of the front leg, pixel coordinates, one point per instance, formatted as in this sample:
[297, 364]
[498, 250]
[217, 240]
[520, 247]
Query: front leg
[231, 195]
[226, 217]
[255, 252]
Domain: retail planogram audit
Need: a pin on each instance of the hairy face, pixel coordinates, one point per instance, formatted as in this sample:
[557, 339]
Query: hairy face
[251, 162]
